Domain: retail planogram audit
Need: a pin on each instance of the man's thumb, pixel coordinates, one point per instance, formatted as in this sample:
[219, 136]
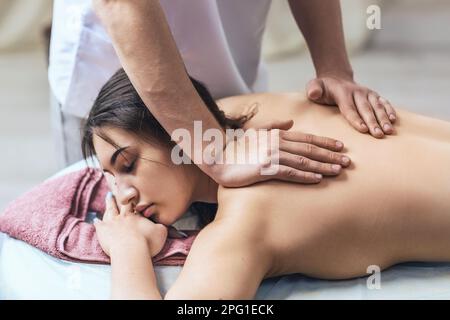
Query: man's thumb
[276, 124]
[314, 89]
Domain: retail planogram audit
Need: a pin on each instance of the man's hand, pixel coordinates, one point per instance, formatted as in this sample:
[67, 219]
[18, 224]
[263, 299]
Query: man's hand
[321, 25]
[296, 157]
[363, 108]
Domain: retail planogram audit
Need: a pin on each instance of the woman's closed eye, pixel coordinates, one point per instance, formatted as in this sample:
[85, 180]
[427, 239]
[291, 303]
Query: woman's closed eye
[129, 168]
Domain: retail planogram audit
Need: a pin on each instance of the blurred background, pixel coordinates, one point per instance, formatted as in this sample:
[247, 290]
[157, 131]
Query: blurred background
[407, 61]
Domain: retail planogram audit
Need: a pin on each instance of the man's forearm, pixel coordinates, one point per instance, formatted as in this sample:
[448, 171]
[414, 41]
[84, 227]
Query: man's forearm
[321, 24]
[149, 55]
[133, 276]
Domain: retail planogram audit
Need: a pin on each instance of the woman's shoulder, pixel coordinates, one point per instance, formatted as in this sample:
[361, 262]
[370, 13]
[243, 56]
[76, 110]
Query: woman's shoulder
[245, 203]
[240, 218]
[238, 105]
[262, 96]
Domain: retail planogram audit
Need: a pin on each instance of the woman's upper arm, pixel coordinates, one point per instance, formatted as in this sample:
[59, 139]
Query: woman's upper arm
[224, 263]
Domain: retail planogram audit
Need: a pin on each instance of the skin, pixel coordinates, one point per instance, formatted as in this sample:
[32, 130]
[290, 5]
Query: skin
[334, 85]
[148, 53]
[400, 211]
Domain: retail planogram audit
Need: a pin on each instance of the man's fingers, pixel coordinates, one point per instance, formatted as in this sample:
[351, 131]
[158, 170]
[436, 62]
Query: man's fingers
[366, 112]
[314, 153]
[319, 141]
[276, 124]
[389, 109]
[283, 124]
[308, 165]
[111, 207]
[348, 109]
[286, 173]
[315, 89]
[380, 113]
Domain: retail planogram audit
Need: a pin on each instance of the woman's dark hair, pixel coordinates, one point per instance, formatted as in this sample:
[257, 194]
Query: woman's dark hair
[118, 105]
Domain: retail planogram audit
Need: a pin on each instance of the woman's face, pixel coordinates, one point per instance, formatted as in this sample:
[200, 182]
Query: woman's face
[143, 174]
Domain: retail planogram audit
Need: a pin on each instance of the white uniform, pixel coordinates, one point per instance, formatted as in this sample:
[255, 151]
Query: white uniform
[219, 41]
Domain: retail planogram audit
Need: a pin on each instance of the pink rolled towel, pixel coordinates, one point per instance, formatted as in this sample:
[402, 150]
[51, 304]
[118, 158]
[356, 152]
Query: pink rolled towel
[51, 217]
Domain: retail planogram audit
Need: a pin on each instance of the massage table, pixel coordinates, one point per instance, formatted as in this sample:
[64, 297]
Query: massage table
[28, 273]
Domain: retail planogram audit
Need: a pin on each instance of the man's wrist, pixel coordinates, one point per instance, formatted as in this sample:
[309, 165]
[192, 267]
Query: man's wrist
[214, 165]
[341, 73]
[214, 171]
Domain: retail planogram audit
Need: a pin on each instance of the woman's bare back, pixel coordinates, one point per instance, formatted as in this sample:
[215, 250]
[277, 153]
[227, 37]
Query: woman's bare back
[391, 205]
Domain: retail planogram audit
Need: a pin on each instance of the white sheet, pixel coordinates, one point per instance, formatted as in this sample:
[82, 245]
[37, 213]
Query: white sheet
[28, 273]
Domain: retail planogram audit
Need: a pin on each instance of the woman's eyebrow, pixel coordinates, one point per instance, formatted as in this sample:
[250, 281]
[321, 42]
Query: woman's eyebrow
[115, 155]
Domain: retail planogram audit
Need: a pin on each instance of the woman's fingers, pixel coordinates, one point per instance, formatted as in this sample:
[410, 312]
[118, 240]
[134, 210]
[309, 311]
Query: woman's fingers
[323, 142]
[366, 112]
[111, 210]
[313, 152]
[380, 113]
[127, 209]
[308, 165]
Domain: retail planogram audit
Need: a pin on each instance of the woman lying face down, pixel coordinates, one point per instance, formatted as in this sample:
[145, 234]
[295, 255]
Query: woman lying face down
[135, 154]
[390, 206]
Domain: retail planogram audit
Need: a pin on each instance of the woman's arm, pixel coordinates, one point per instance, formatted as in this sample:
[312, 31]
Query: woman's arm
[228, 260]
[133, 276]
[131, 241]
[222, 264]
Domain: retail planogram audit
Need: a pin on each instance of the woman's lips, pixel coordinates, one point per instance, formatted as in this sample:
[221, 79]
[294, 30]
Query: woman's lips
[149, 210]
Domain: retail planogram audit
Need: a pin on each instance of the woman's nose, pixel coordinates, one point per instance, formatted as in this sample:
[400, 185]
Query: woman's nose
[126, 195]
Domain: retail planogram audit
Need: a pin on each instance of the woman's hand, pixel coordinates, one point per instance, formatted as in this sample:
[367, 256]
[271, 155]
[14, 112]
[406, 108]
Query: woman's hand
[363, 108]
[124, 228]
